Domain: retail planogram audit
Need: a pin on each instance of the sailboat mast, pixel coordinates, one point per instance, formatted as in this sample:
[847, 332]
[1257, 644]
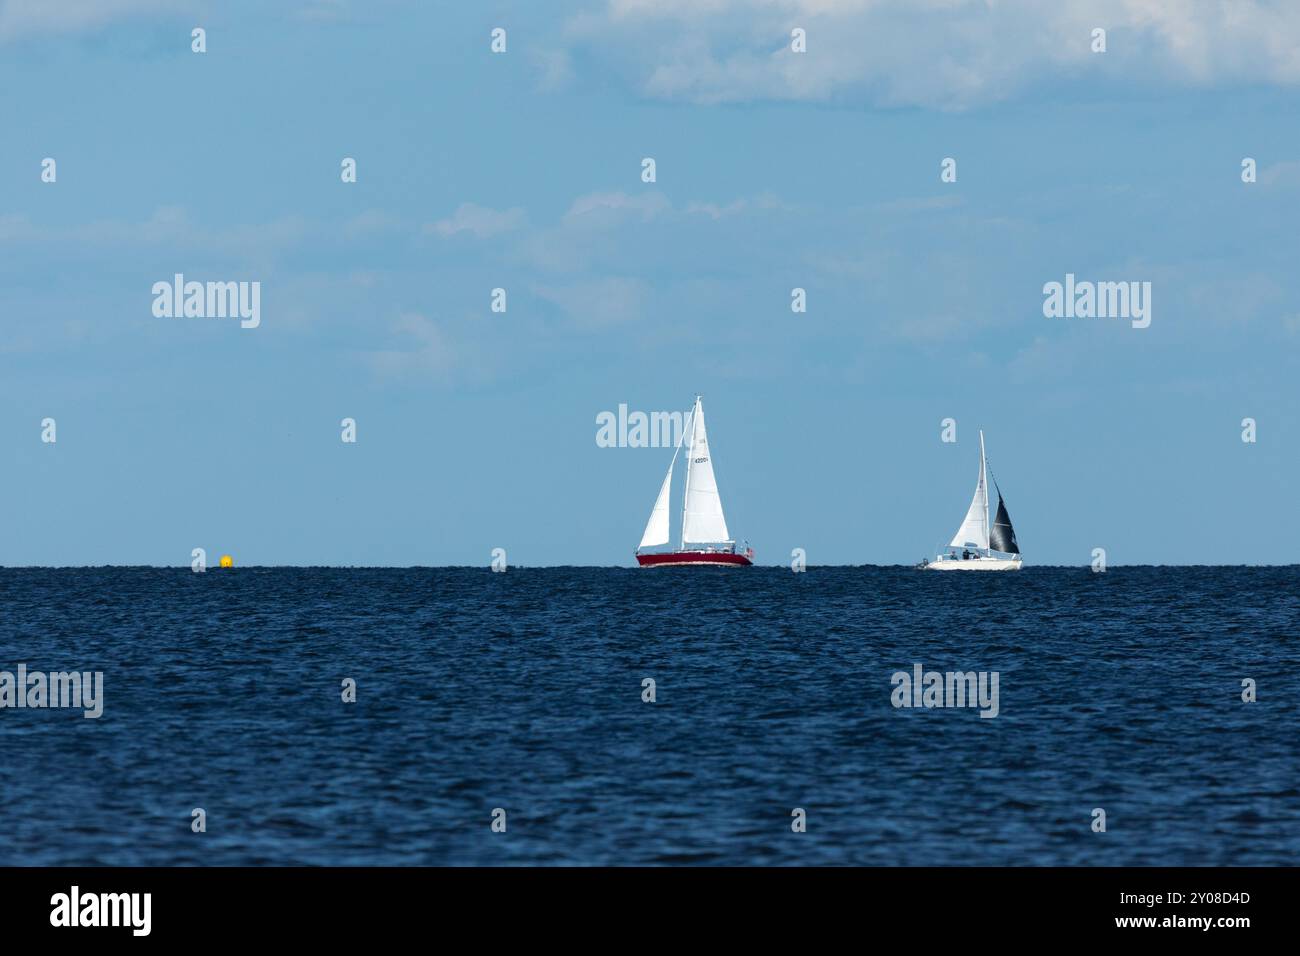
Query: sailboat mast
[984, 480]
[690, 454]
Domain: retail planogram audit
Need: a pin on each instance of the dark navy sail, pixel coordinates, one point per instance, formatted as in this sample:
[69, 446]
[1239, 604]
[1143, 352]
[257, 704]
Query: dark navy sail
[1002, 537]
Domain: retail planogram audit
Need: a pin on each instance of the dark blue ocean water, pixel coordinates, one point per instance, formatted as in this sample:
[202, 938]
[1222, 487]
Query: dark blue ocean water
[523, 691]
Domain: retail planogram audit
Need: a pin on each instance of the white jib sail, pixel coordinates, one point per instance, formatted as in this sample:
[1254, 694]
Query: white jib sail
[702, 519]
[974, 531]
[656, 529]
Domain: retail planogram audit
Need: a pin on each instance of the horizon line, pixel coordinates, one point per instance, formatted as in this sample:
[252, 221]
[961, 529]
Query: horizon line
[544, 567]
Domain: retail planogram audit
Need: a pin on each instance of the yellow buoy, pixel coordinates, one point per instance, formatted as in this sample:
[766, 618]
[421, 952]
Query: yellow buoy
[227, 561]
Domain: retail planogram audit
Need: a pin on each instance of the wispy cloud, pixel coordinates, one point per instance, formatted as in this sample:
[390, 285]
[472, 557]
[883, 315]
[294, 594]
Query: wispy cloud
[603, 209]
[478, 221]
[21, 18]
[168, 226]
[554, 69]
[601, 302]
[947, 54]
[421, 350]
[1284, 173]
[324, 10]
[736, 207]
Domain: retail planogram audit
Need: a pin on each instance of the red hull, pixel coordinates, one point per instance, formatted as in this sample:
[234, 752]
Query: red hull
[724, 558]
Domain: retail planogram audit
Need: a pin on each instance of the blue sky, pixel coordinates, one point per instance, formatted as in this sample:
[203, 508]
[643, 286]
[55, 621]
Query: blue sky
[523, 170]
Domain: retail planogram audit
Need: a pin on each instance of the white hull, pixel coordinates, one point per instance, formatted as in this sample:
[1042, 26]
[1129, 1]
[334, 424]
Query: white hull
[978, 563]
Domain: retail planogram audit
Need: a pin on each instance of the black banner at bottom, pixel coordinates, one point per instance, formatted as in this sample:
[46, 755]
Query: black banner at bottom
[212, 905]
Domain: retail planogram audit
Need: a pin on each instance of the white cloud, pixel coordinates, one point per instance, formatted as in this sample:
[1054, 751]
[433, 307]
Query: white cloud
[479, 221]
[166, 226]
[554, 69]
[328, 11]
[599, 303]
[591, 228]
[1284, 173]
[603, 209]
[736, 207]
[20, 18]
[947, 54]
[422, 350]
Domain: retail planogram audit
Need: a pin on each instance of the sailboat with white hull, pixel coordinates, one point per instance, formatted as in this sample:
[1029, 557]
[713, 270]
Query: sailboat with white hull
[704, 539]
[979, 545]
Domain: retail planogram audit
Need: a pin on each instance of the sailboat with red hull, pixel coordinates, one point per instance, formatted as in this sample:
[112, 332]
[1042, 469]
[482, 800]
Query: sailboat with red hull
[704, 539]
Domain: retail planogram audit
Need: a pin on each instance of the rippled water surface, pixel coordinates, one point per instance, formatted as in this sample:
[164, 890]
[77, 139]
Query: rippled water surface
[523, 691]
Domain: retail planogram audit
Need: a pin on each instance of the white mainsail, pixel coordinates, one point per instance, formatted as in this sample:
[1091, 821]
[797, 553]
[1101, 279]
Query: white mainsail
[974, 531]
[656, 529]
[702, 519]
